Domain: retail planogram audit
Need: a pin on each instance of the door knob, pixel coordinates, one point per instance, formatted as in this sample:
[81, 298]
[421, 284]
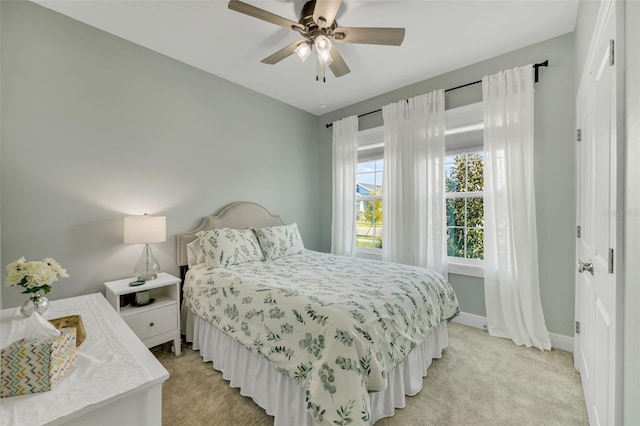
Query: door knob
[586, 266]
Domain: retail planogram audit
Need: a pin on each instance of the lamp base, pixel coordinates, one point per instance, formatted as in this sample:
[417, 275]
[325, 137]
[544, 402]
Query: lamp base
[147, 268]
[146, 277]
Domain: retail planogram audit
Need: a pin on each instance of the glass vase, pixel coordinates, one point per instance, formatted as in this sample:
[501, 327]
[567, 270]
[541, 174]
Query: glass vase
[36, 303]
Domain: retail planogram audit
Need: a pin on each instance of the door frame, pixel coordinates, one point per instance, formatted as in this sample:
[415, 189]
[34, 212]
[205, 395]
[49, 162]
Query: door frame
[631, 391]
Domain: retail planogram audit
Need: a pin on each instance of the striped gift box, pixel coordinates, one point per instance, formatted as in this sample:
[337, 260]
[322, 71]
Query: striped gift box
[30, 367]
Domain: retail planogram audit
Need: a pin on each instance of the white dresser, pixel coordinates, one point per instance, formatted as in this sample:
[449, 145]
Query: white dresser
[117, 381]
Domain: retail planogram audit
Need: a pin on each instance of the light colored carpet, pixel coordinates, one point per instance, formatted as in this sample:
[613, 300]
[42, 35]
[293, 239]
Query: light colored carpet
[480, 380]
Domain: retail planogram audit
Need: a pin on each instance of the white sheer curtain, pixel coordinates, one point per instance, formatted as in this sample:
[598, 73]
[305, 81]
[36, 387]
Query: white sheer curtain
[512, 291]
[413, 211]
[345, 162]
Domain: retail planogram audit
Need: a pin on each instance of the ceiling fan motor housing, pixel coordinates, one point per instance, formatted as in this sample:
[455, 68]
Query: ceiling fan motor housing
[312, 29]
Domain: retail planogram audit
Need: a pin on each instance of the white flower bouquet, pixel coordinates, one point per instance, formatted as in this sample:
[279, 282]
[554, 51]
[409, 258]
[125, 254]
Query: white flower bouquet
[34, 276]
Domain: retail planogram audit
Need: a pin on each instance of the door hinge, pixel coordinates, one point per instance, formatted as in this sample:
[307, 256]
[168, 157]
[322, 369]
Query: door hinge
[577, 327]
[611, 261]
[578, 231]
[612, 52]
[579, 135]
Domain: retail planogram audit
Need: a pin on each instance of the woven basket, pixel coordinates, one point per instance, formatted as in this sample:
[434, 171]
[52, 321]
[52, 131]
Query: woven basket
[71, 321]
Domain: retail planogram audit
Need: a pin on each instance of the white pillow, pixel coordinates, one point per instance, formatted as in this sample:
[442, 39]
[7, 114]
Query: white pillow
[195, 255]
[224, 247]
[279, 241]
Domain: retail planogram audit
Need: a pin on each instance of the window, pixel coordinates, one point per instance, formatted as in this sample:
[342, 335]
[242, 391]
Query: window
[464, 180]
[464, 186]
[369, 191]
[369, 204]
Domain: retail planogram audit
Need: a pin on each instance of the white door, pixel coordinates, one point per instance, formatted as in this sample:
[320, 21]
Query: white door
[598, 351]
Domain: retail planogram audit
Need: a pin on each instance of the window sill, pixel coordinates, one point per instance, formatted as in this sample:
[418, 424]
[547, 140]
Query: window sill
[469, 268]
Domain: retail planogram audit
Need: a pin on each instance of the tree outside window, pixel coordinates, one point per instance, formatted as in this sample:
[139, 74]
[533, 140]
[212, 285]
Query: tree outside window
[464, 203]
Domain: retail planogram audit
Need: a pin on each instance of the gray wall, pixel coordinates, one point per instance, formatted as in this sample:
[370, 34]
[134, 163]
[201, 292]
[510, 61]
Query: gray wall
[554, 168]
[96, 128]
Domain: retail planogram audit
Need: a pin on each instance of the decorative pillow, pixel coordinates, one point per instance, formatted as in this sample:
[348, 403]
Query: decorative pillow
[279, 241]
[224, 247]
[195, 256]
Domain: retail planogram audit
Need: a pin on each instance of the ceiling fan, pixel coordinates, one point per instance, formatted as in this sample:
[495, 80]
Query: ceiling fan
[317, 26]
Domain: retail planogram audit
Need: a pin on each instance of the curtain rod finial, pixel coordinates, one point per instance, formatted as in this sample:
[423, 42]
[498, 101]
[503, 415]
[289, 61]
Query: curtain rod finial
[537, 66]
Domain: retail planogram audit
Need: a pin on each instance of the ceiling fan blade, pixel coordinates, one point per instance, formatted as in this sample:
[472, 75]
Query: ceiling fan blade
[325, 12]
[256, 12]
[362, 35]
[338, 66]
[281, 54]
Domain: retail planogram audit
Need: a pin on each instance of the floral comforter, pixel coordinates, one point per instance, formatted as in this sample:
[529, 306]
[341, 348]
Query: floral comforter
[334, 324]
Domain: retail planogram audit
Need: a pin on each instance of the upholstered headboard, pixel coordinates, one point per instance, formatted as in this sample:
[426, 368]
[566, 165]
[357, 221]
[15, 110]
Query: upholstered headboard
[238, 215]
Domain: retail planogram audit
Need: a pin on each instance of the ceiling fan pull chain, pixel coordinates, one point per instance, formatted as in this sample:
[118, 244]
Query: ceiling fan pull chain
[320, 73]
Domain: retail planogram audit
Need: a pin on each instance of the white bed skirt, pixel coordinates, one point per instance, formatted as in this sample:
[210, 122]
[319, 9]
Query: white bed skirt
[281, 396]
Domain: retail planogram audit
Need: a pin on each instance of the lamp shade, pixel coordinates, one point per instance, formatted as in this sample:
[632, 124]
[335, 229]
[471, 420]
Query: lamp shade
[145, 229]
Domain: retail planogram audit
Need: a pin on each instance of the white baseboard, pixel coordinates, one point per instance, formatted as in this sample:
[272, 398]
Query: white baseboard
[471, 320]
[562, 342]
[558, 341]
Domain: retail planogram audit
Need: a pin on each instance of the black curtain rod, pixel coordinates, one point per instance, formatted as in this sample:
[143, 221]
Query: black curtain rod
[535, 68]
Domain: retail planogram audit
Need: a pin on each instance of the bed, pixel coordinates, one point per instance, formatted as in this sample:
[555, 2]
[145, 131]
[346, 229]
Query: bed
[310, 337]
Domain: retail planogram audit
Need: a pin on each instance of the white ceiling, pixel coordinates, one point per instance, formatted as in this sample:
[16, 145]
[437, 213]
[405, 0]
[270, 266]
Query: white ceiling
[440, 36]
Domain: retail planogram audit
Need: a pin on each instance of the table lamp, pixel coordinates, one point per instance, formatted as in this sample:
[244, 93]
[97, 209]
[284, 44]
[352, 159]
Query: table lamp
[145, 230]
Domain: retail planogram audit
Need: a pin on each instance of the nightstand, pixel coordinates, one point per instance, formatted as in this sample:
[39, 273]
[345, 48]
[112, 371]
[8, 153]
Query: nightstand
[154, 323]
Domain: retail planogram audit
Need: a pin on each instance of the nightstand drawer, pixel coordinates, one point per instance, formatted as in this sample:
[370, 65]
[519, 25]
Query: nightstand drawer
[153, 322]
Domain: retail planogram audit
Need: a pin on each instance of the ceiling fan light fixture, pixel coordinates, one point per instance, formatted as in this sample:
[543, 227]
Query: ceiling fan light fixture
[303, 51]
[323, 44]
[324, 58]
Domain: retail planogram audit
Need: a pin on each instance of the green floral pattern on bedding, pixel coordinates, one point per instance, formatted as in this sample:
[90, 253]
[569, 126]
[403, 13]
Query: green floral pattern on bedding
[225, 246]
[279, 241]
[334, 324]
